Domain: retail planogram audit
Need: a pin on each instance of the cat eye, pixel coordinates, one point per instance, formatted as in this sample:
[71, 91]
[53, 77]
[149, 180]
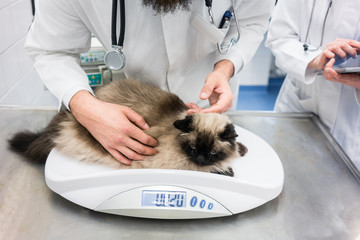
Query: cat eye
[192, 149]
[213, 152]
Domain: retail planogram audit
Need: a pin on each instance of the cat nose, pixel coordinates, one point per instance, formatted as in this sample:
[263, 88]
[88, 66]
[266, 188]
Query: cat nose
[200, 159]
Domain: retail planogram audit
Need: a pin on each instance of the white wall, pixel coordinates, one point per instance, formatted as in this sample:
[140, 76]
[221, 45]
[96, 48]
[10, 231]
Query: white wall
[19, 82]
[257, 71]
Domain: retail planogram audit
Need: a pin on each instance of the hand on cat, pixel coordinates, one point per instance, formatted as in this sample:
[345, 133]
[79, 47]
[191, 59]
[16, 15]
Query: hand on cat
[216, 89]
[118, 128]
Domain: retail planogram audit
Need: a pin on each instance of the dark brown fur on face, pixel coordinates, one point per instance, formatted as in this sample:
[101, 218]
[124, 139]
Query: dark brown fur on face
[202, 142]
[201, 145]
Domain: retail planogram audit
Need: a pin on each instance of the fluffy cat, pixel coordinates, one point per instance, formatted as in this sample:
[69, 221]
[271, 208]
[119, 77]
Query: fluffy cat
[201, 142]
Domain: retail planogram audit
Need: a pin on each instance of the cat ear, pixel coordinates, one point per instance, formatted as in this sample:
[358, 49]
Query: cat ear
[229, 132]
[184, 125]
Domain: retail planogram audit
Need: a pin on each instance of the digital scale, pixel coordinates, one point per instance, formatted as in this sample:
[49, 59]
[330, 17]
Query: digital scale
[167, 193]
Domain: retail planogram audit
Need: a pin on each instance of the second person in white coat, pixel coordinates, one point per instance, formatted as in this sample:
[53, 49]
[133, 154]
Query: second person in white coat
[305, 36]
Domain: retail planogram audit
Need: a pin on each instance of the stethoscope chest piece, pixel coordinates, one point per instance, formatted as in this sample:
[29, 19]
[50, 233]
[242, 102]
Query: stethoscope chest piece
[115, 59]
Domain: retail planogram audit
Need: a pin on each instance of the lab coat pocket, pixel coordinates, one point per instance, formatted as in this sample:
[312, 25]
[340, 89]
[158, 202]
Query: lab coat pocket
[208, 35]
[305, 95]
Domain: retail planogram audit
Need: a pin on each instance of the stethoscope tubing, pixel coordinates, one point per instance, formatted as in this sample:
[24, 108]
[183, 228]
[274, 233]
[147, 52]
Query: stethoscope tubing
[116, 55]
[306, 45]
[120, 41]
[233, 41]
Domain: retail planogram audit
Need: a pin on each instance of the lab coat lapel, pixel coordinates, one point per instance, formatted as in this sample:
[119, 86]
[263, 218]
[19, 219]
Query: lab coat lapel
[181, 40]
[177, 43]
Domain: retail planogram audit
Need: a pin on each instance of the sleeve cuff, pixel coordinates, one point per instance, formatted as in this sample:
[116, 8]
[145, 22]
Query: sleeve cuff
[309, 74]
[71, 92]
[234, 57]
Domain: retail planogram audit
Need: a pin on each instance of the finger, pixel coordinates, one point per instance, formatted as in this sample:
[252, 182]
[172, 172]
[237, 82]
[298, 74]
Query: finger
[224, 104]
[349, 50]
[213, 109]
[136, 118]
[119, 157]
[192, 111]
[339, 51]
[135, 132]
[189, 105]
[354, 44]
[329, 73]
[140, 149]
[207, 90]
[130, 154]
[193, 106]
[141, 136]
[330, 64]
[216, 108]
[329, 54]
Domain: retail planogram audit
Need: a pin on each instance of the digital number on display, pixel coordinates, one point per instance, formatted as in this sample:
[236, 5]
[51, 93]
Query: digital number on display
[163, 199]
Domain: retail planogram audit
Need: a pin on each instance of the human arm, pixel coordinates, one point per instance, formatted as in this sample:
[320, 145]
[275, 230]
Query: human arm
[55, 41]
[339, 47]
[118, 128]
[253, 18]
[286, 36]
[325, 61]
[216, 89]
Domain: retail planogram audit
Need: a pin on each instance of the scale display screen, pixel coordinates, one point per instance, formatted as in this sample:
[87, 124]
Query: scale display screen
[175, 199]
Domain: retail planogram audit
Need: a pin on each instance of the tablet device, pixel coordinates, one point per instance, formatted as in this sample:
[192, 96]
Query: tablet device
[348, 64]
[348, 70]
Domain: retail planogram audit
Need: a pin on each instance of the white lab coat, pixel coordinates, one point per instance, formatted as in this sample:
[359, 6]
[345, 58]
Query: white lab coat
[169, 50]
[336, 104]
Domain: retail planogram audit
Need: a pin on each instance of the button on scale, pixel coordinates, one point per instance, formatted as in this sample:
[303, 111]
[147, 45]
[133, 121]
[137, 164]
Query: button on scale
[193, 201]
[202, 204]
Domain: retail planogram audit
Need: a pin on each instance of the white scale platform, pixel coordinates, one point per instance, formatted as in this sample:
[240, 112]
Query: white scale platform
[171, 194]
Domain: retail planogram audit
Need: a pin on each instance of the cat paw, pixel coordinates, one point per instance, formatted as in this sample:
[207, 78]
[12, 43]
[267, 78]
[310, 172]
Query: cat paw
[242, 149]
[229, 172]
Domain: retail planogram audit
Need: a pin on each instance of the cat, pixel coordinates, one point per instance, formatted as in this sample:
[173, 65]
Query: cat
[200, 142]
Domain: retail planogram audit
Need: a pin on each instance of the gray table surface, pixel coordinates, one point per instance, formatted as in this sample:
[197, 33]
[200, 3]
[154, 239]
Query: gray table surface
[320, 198]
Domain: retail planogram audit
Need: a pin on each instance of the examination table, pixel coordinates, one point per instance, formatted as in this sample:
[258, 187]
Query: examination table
[320, 198]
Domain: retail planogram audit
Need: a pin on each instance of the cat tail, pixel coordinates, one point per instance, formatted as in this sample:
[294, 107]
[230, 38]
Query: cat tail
[33, 146]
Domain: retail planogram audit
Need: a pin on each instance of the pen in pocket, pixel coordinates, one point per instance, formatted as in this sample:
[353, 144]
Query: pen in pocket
[225, 21]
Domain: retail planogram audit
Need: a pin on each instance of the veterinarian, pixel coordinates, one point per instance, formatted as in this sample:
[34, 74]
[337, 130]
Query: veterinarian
[172, 44]
[305, 36]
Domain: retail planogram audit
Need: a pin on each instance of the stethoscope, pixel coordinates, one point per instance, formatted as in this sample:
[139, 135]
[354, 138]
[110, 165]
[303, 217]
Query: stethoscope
[115, 58]
[305, 45]
[233, 41]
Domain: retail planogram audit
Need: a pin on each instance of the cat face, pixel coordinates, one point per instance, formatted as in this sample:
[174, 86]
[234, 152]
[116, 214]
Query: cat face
[206, 138]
